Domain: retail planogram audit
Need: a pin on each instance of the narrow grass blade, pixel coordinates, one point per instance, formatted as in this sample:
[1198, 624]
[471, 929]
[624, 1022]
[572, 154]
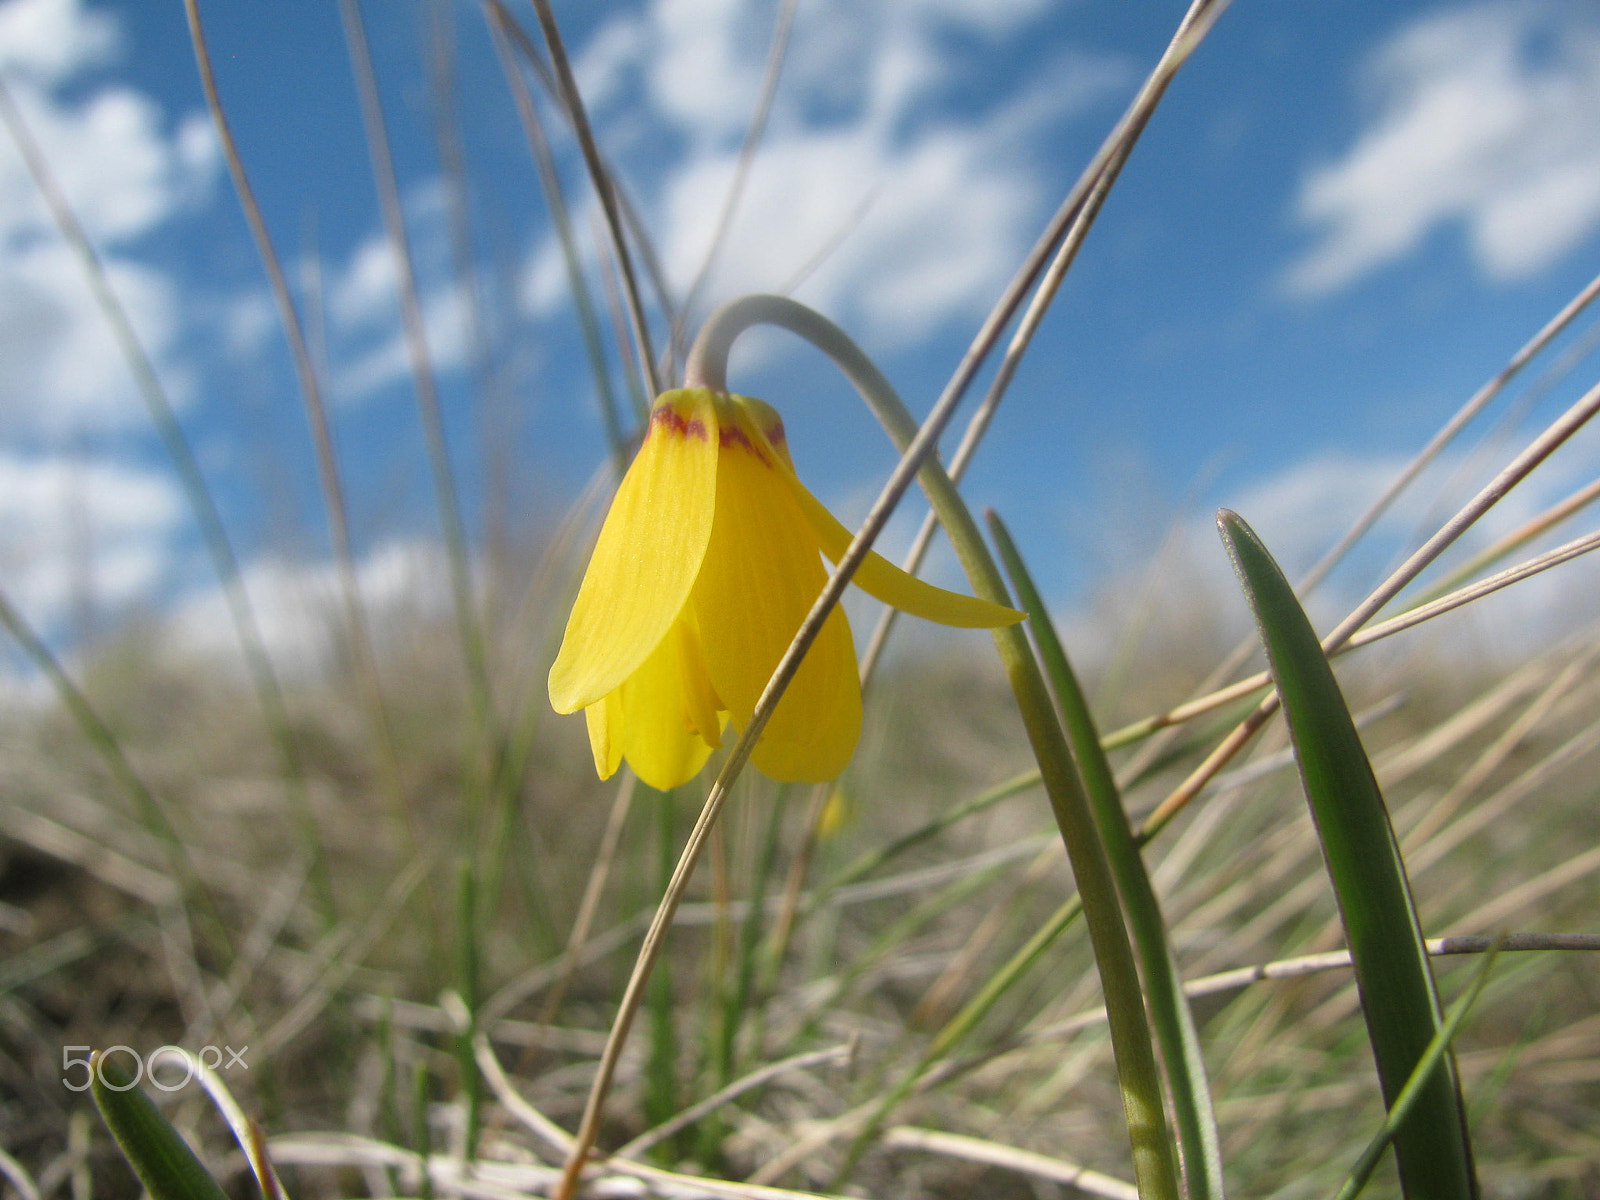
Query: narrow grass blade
[846, 979]
[1474, 405]
[661, 1070]
[594, 886]
[492, 388]
[870, 861]
[17, 1176]
[737, 998]
[1363, 860]
[560, 216]
[605, 190]
[446, 492]
[159, 1156]
[151, 811]
[1517, 538]
[365, 659]
[201, 501]
[1416, 1085]
[632, 220]
[959, 1026]
[1169, 1007]
[421, 1137]
[467, 974]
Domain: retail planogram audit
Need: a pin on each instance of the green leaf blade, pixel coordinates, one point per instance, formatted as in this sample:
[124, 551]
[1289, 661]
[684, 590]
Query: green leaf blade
[156, 1151]
[1169, 1008]
[1363, 860]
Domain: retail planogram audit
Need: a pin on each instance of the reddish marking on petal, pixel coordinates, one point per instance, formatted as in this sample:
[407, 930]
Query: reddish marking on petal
[732, 435]
[676, 422]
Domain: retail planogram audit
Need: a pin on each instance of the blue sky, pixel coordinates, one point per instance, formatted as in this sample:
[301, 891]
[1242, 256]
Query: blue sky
[1343, 219]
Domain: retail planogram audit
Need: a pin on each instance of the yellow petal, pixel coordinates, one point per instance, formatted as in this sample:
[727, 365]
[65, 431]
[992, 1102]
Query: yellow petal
[760, 576]
[702, 709]
[876, 576]
[604, 718]
[647, 555]
[659, 713]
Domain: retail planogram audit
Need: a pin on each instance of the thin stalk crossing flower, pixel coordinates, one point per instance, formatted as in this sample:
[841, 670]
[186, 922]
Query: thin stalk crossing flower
[707, 563]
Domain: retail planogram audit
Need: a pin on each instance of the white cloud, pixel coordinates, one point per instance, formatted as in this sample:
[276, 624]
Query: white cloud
[248, 320]
[82, 530]
[1303, 510]
[929, 231]
[363, 307]
[609, 60]
[63, 370]
[542, 282]
[298, 606]
[919, 215]
[704, 63]
[988, 16]
[1482, 115]
[125, 174]
[49, 40]
[364, 293]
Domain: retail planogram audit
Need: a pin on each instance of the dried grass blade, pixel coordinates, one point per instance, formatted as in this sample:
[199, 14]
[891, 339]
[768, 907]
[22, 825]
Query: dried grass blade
[151, 809]
[333, 497]
[561, 217]
[1026, 1162]
[444, 482]
[600, 176]
[1554, 435]
[1447, 434]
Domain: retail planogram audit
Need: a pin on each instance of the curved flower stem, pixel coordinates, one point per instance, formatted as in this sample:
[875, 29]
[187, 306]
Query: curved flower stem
[707, 366]
[1130, 1032]
[1066, 233]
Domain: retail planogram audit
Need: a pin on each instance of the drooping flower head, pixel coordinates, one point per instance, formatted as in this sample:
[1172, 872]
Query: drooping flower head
[708, 562]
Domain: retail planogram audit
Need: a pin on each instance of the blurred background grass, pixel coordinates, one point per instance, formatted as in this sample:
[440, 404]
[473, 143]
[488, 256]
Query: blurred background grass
[339, 1013]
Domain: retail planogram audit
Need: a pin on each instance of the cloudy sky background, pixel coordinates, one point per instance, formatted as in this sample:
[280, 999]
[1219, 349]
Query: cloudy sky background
[1342, 221]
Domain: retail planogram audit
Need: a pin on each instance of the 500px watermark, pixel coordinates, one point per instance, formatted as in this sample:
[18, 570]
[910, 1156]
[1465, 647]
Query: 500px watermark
[167, 1067]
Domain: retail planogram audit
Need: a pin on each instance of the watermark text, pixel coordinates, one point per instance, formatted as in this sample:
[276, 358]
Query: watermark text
[167, 1068]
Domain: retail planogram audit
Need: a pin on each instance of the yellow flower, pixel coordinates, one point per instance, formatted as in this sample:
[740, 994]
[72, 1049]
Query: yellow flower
[705, 567]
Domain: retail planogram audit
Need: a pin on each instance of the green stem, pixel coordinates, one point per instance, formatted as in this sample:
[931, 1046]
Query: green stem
[467, 976]
[1437, 1050]
[1154, 1166]
[1169, 1007]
